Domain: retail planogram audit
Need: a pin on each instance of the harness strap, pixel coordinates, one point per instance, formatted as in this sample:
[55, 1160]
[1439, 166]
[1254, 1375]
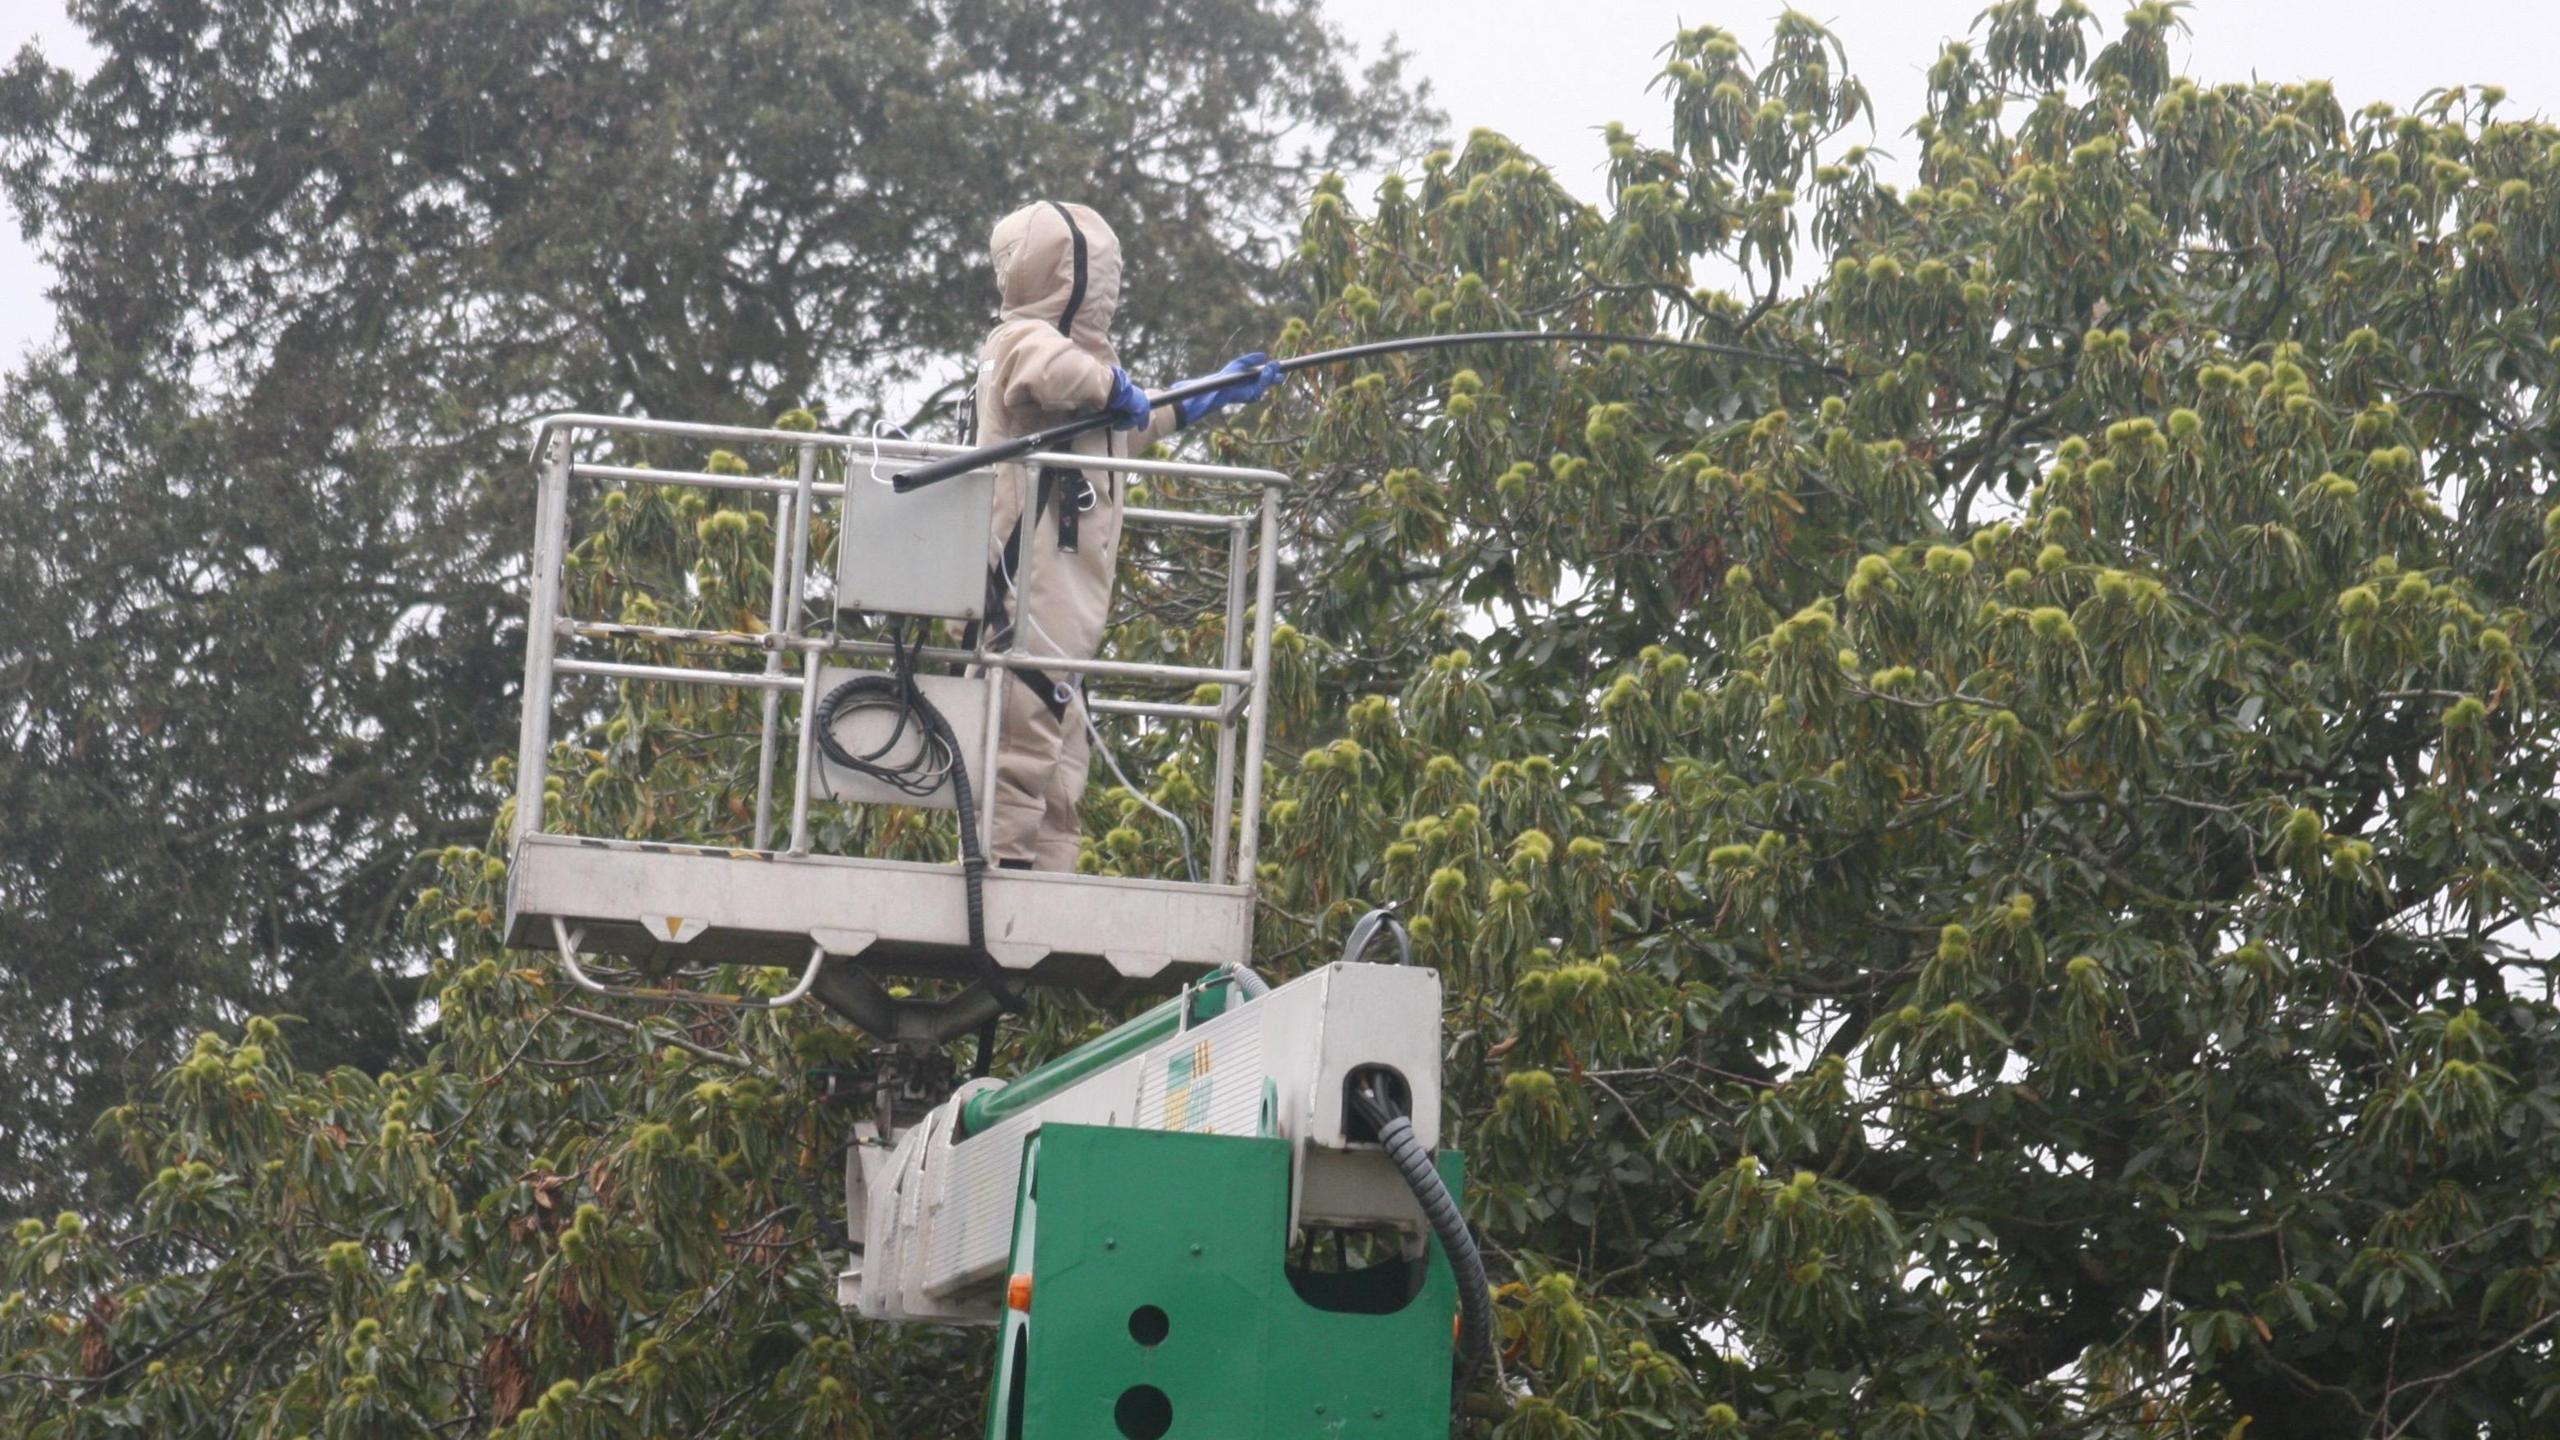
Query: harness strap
[1075, 294]
[999, 616]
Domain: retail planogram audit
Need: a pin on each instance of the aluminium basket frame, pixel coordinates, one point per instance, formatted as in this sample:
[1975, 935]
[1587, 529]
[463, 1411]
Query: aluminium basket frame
[550, 888]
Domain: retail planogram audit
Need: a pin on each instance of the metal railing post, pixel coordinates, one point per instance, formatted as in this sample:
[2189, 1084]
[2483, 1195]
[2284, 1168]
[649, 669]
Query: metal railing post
[804, 502]
[803, 508]
[789, 575]
[542, 615]
[784, 508]
[1231, 656]
[808, 748]
[1258, 720]
[990, 751]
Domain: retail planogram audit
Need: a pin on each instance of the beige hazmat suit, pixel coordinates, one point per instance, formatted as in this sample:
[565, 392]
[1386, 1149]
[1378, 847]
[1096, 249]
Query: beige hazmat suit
[1049, 361]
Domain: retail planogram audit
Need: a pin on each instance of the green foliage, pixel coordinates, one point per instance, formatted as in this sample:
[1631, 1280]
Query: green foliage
[1978, 899]
[317, 262]
[2042, 797]
[556, 1226]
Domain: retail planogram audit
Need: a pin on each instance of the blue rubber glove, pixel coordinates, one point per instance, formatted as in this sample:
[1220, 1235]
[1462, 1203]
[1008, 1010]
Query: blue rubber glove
[1128, 405]
[1255, 375]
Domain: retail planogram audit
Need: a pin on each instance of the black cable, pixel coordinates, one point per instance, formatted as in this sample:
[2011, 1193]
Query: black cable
[1422, 1177]
[934, 760]
[937, 744]
[1379, 921]
[1084, 708]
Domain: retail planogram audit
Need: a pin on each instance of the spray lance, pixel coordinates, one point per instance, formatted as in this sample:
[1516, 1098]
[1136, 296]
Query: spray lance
[1057, 435]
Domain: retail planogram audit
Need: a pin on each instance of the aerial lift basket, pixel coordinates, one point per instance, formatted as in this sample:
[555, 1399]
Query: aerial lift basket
[626, 913]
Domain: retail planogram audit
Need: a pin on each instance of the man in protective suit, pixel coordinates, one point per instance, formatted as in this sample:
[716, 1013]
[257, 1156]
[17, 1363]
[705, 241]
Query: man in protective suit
[1050, 360]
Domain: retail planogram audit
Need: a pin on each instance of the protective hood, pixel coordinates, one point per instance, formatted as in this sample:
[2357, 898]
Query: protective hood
[1059, 264]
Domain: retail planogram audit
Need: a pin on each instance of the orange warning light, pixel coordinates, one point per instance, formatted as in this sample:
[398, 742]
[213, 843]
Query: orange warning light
[1017, 1293]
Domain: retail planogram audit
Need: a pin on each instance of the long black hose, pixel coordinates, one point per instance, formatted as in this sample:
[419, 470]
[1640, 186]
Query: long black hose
[937, 759]
[1056, 435]
[1422, 1177]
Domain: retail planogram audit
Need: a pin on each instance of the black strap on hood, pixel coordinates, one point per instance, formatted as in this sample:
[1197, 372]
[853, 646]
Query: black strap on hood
[1075, 296]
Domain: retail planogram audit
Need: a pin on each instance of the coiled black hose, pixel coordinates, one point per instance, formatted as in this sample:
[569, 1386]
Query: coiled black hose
[937, 759]
[1422, 1177]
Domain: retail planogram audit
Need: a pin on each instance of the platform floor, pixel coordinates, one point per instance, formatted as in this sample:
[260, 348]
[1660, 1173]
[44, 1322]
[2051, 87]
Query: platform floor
[666, 905]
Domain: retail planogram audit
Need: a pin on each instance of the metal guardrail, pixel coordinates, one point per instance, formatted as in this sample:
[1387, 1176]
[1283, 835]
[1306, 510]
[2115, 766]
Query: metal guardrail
[1242, 675]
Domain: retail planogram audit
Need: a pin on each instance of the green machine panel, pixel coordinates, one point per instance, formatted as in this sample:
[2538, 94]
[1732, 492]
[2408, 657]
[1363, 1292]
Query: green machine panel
[1163, 1307]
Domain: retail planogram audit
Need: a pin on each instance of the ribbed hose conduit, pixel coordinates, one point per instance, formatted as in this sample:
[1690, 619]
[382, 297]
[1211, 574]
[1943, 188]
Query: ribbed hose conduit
[1422, 1176]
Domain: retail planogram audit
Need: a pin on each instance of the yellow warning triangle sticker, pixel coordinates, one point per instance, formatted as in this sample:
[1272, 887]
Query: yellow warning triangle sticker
[673, 929]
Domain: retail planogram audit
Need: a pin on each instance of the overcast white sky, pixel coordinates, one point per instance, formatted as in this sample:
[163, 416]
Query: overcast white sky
[1550, 72]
